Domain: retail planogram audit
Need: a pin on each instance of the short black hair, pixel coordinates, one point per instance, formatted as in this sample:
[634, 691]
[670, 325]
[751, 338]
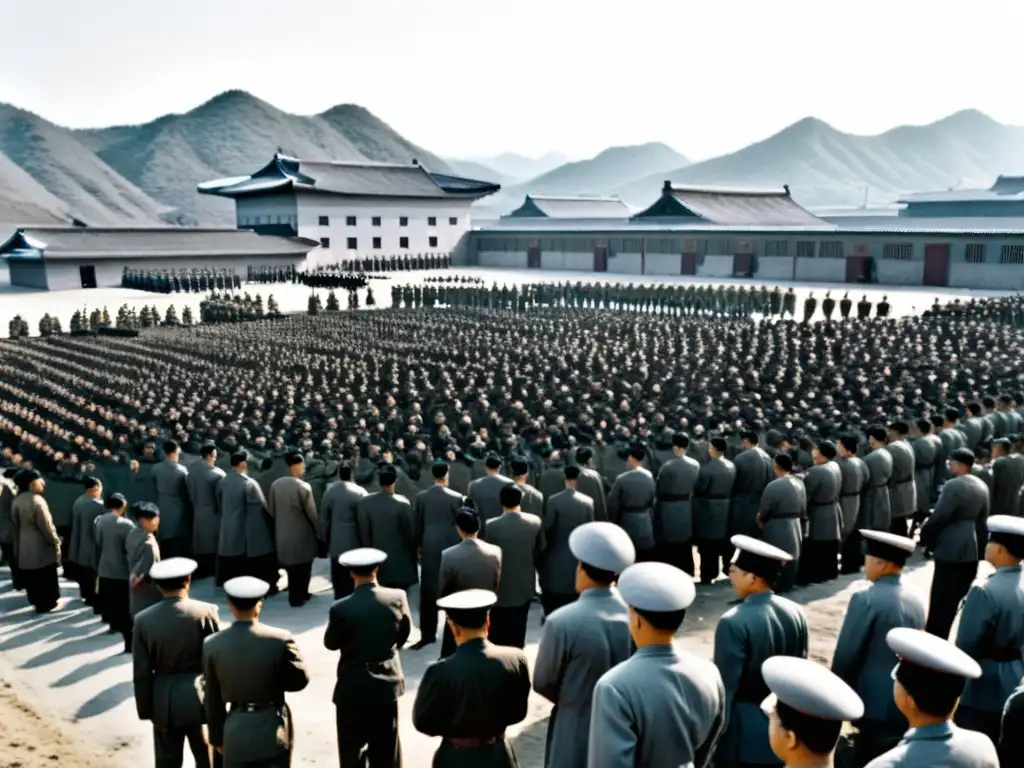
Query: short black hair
[115, 501]
[681, 440]
[244, 603]
[818, 735]
[439, 469]
[207, 450]
[827, 449]
[663, 620]
[924, 425]
[292, 458]
[951, 414]
[750, 436]
[176, 584]
[599, 575]
[988, 402]
[467, 521]
[91, 482]
[170, 446]
[719, 444]
[239, 457]
[572, 472]
[345, 471]
[974, 408]
[877, 433]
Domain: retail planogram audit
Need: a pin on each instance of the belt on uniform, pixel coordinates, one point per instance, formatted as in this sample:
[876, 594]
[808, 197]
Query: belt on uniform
[675, 497]
[717, 498]
[904, 481]
[781, 517]
[252, 706]
[849, 495]
[474, 742]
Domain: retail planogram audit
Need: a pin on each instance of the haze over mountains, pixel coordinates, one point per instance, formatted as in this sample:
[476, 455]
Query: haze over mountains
[146, 175]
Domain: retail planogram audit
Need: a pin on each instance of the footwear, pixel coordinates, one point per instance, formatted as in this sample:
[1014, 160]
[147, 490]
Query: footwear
[423, 643]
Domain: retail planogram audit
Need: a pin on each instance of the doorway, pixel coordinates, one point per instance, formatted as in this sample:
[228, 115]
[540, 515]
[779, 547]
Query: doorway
[936, 265]
[533, 257]
[600, 258]
[858, 269]
[88, 276]
[689, 264]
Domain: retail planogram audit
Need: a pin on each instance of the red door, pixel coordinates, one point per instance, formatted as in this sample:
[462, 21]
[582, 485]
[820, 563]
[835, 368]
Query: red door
[857, 268]
[742, 264]
[936, 265]
[600, 258]
[533, 257]
[689, 264]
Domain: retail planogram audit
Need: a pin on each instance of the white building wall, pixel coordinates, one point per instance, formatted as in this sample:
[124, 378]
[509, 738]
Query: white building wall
[65, 275]
[664, 264]
[503, 259]
[715, 266]
[821, 270]
[774, 268]
[623, 263]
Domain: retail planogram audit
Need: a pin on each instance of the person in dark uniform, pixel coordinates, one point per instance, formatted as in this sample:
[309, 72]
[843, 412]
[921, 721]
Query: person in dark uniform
[83, 555]
[246, 544]
[296, 527]
[112, 530]
[471, 697]
[369, 627]
[673, 513]
[806, 710]
[201, 484]
[248, 668]
[169, 480]
[8, 556]
[863, 308]
[828, 306]
[882, 310]
[810, 304]
[714, 504]
[564, 513]
[434, 530]
[36, 543]
[386, 523]
[470, 564]
[339, 527]
[845, 305]
[167, 663]
[631, 502]
[789, 304]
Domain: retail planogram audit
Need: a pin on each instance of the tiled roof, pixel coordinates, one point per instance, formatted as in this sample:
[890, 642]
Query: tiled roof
[636, 228]
[575, 207]
[731, 207]
[361, 179]
[1004, 189]
[163, 242]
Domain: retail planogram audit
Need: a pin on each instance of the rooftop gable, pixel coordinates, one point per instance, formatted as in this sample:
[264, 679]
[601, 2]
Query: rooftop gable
[570, 207]
[732, 207]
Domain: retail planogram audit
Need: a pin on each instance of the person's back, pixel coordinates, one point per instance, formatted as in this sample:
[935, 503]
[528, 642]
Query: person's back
[111, 537]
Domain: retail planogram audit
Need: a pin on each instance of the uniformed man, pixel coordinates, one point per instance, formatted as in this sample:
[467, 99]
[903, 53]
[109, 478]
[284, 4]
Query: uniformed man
[201, 483]
[386, 523]
[929, 679]
[533, 500]
[339, 526]
[564, 513]
[167, 663]
[470, 564]
[591, 483]
[631, 502]
[83, 555]
[761, 626]
[991, 629]
[369, 627]
[434, 531]
[828, 306]
[174, 503]
[143, 551]
[714, 501]
[927, 449]
[246, 544]
[780, 518]
[806, 710]
[520, 537]
[36, 543]
[674, 512]
[296, 527]
[473, 695]
[8, 554]
[663, 706]
[950, 534]
[484, 491]
[1007, 478]
[876, 506]
[1011, 739]
[819, 557]
[248, 668]
[112, 529]
[902, 488]
[862, 657]
[845, 305]
[753, 473]
[855, 479]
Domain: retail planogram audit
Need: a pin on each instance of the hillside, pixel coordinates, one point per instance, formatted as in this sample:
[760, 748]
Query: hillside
[474, 170]
[612, 168]
[515, 167]
[23, 200]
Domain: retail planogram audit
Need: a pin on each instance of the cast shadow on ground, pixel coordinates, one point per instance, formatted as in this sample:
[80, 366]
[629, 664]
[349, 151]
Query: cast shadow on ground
[93, 641]
[85, 671]
[531, 740]
[106, 700]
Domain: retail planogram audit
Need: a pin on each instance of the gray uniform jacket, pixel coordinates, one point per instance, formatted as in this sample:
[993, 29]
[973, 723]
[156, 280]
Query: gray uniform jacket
[296, 524]
[992, 631]
[673, 513]
[783, 507]
[940, 746]
[520, 537]
[862, 657]
[385, 523]
[952, 438]
[201, 482]
[762, 626]
[950, 532]
[82, 546]
[7, 493]
[855, 480]
[926, 454]
[434, 529]
[251, 666]
[714, 500]
[552, 480]
[902, 487]
[172, 498]
[533, 500]
[36, 543]
[973, 430]
[338, 523]
[1007, 481]
[459, 477]
[592, 484]
[167, 661]
[875, 506]
[111, 539]
[662, 708]
[245, 527]
[470, 564]
[824, 484]
[142, 550]
[753, 473]
[579, 643]
[631, 505]
[484, 493]
[565, 512]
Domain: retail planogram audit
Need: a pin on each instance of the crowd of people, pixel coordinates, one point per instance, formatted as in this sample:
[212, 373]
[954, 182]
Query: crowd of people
[573, 445]
[178, 280]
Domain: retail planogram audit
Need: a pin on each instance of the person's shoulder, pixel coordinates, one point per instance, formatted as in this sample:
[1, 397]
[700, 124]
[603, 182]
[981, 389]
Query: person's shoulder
[275, 633]
[506, 653]
[390, 595]
[981, 745]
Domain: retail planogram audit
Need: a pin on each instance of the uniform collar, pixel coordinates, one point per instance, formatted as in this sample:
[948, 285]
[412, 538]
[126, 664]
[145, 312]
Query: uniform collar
[939, 732]
[656, 650]
[890, 578]
[759, 597]
[1008, 570]
[596, 593]
[472, 646]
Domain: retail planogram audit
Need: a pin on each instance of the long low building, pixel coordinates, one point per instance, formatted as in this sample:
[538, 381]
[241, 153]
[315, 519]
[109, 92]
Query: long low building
[64, 258]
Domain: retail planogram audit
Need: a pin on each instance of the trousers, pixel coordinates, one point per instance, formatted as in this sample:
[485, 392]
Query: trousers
[115, 608]
[341, 580]
[679, 554]
[508, 625]
[87, 586]
[298, 583]
[175, 547]
[852, 554]
[714, 555]
[207, 566]
[263, 567]
[369, 731]
[428, 611]
[169, 747]
[950, 585]
[12, 560]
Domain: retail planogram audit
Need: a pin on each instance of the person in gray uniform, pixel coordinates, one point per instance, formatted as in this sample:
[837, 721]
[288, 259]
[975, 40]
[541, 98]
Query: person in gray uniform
[673, 514]
[533, 500]
[991, 629]
[1007, 478]
[434, 531]
[83, 556]
[369, 627]
[484, 491]
[470, 564]
[761, 626]
[862, 657]
[806, 710]
[143, 551]
[564, 513]
[167, 664]
[855, 479]
[1011, 738]
[663, 706]
[36, 542]
[902, 488]
[928, 682]
[819, 556]
[631, 502]
[591, 483]
[714, 502]
[876, 507]
[927, 449]
[8, 556]
[520, 537]
[201, 483]
[952, 437]
[582, 641]
[385, 523]
[950, 534]
[175, 506]
[339, 527]
[246, 544]
[780, 518]
[753, 473]
[112, 531]
[296, 527]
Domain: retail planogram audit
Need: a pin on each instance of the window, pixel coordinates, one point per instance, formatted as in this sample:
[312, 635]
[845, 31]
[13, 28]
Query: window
[352, 244]
[1011, 254]
[325, 221]
[897, 251]
[350, 221]
[432, 241]
[975, 253]
[805, 249]
[776, 248]
[403, 221]
[431, 221]
[403, 242]
[453, 220]
[375, 221]
[376, 242]
[631, 245]
[325, 242]
[831, 249]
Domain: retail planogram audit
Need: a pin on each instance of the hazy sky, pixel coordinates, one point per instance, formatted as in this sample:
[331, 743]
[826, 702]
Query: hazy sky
[476, 77]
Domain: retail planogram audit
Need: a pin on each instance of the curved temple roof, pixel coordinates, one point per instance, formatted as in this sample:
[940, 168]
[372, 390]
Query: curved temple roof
[730, 207]
[579, 207]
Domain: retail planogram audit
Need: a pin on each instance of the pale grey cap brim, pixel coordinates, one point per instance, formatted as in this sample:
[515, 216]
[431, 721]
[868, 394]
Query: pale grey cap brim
[246, 588]
[810, 688]
[602, 545]
[760, 548]
[657, 587]
[364, 557]
[1008, 524]
[892, 539]
[468, 600]
[926, 650]
[172, 568]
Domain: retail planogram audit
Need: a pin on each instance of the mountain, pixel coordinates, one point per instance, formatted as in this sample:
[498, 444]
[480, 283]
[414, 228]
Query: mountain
[520, 168]
[826, 167]
[25, 200]
[474, 170]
